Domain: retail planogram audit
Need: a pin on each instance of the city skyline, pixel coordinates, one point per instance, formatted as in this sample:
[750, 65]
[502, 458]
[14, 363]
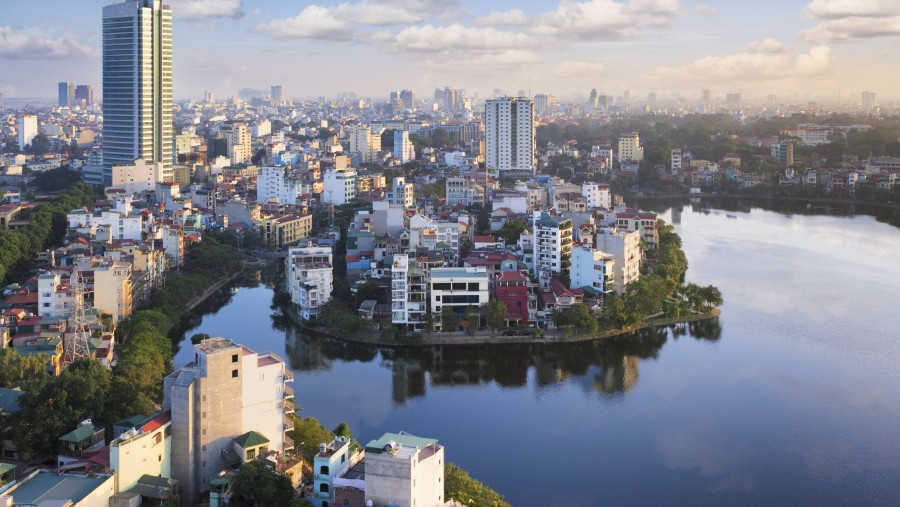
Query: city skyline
[811, 49]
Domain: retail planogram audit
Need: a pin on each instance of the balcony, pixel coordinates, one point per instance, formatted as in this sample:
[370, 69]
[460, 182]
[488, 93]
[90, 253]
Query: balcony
[288, 393]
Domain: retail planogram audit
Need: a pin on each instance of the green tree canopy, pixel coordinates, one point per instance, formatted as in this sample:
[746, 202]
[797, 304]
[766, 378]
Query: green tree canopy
[255, 485]
[460, 486]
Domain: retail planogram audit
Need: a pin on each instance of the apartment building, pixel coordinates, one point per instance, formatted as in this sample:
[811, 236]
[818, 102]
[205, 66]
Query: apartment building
[593, 268]
[310, 279]
[280, 231]
[226, 392]
[457, 288]
[625, 247]
[401, 193]
[552, 246]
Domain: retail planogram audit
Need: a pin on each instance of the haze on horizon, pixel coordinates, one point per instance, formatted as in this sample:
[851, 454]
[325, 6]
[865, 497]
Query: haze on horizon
[791, 48]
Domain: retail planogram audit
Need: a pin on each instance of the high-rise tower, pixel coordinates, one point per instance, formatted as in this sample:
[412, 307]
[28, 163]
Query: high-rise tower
[137, 83]
[509, 137]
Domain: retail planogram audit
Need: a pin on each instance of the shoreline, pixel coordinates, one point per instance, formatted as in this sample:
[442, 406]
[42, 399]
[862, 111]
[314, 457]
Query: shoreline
[811, 200]
[460, 338]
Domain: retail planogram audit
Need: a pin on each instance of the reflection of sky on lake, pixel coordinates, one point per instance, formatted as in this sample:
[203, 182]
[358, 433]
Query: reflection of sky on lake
[796, 402]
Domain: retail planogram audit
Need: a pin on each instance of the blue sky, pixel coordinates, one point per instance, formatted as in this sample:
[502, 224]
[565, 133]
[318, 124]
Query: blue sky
[809, 49]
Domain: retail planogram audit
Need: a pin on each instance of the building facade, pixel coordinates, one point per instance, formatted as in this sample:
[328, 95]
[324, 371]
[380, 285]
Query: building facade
[458, 289]
[509, 136]
[227, 391]
[625, 248]
[339, 186]
[592, 268]
[137, 83]
[310, 279]
[552, 246]
[630, 149]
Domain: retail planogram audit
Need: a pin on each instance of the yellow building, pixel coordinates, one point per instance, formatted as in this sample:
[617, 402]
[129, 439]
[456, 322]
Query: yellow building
[285, 230]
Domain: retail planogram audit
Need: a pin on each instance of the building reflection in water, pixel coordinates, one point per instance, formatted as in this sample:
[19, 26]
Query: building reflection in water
[608, 367]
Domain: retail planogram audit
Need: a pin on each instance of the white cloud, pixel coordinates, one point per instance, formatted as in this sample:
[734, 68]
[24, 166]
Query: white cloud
[852, 20]
[33, 43]
[605, 19]
[767, 45]
[318, 22]
[513, 17]
[835, 9]
[314, 22]
[744, 68]
[852, 29]
[705, 10]
[458, 38]
[205, 9]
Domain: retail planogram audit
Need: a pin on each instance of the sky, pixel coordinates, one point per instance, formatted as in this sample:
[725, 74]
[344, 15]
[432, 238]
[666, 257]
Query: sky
[810, 50]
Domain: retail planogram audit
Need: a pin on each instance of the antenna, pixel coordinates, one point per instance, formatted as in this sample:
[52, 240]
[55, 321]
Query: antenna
[76, 341]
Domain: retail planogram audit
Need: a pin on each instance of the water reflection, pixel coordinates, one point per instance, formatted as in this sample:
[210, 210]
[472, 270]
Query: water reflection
[608, 367]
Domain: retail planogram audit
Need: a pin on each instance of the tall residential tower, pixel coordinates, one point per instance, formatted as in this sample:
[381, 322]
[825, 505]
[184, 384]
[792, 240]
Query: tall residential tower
[137, 83]
[509, 137]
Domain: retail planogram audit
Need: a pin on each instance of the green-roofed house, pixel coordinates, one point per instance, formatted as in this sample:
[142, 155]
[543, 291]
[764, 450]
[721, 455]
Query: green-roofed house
[250, 445]
[7, 476]
[86, 437]
[404, 471]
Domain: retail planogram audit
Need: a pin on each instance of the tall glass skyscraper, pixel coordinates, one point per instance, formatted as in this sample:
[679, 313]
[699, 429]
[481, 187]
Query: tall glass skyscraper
[137, 83]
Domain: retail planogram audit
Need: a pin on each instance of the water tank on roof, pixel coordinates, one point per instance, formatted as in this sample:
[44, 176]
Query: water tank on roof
[322, 448]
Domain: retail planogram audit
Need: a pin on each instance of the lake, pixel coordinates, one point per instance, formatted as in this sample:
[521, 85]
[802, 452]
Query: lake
[791, 397]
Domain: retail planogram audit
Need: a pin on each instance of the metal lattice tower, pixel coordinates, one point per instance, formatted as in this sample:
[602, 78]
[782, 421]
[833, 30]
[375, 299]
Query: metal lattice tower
[77, 338]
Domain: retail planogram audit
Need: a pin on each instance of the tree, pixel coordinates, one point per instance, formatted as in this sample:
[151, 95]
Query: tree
[473, 317]
[40, 145]
[578, 316]
[256, 485]
[495, 314]
[449, 320]
[307, 434]
[14, 369]
[712, 296]
[460, 486]
[511, 231]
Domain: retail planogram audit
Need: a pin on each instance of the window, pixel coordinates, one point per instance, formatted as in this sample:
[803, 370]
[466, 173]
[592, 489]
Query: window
[343, 458]
[234, 358]
[251, 453]
[323, 488]
[323, 470]
[233, 373]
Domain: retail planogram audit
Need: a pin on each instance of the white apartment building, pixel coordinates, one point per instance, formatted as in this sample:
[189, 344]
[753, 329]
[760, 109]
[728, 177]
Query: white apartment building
[457, 288]
[226, 392]
[117, 224]
[276, 184]
[238, 143]
[630, 148]
[677, 160]
[592, 268]
[463, 191]
[364, 143]
[552, 246]
[625, 248]
[404, 471]
[404, 151]
[54, 298]
[310, 279]
[509, 135]
[261, 129]
[643, 222]
[140, 176]
[401, 193]
[597, 195]
[28, 128]
[408, 293]
[144, 450]
[339, 185]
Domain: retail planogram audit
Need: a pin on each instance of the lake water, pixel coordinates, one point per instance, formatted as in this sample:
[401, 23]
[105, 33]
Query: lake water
[791, 397]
